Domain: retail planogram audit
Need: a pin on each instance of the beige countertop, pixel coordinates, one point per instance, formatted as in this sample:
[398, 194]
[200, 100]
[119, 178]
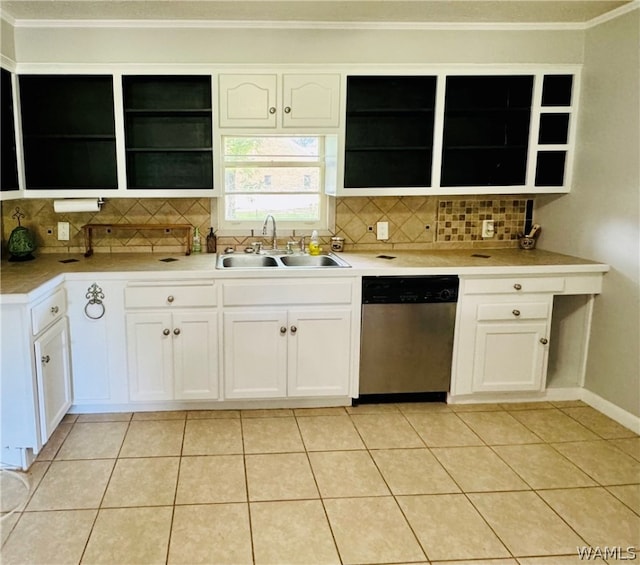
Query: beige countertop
[26, 277]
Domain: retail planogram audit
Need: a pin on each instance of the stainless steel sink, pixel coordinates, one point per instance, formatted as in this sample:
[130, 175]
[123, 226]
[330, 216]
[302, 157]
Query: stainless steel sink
[312, 261]
[247, 261]
[283, 261]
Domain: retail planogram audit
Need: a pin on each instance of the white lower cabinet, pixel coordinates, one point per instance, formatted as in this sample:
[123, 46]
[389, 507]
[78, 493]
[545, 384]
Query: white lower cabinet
[501, 341]
[172, 355]
[283, 353]
[53, 374]
[276, 350]
[318, 355]
[510, 356]
[172, 341]
[35, 374]
[255, 354]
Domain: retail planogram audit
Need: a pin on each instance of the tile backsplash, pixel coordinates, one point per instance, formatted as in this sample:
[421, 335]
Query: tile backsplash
[415, 222]
[430, 222]
[41, 219]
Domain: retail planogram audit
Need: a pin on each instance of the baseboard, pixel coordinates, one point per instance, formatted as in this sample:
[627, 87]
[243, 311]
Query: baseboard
[614, 412]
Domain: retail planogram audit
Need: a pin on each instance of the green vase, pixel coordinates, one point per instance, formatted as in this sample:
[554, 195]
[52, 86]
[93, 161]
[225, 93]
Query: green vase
[21, 245]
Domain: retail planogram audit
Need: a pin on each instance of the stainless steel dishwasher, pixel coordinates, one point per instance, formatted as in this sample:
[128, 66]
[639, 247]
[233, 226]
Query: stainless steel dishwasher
[407, 335]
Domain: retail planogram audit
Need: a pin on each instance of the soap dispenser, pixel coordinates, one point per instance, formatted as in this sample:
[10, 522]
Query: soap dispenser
[211, 241]
[314, 245]
[197, 245]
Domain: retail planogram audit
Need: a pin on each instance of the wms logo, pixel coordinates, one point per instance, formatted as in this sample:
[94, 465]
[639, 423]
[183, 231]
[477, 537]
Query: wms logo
[615, 552]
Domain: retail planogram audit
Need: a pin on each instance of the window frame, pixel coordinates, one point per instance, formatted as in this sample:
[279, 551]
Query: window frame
[237, 227]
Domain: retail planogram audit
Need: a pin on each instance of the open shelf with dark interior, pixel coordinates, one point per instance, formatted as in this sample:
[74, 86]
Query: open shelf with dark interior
[168, 131]
[557, 93]
[389, 131]
[68, 131]
[486, 130]
[8, 155]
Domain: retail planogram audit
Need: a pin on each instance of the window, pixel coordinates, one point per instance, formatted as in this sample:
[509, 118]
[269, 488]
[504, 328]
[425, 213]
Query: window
[273, 174]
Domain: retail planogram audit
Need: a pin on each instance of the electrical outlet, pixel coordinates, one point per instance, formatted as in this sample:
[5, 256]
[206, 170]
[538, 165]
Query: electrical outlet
[488, 230]
[63, 231]
[382, 230]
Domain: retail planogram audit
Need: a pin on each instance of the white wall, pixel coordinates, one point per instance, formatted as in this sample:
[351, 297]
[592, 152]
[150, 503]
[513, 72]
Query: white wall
[600, 219]
[209, 45]
[7, 47]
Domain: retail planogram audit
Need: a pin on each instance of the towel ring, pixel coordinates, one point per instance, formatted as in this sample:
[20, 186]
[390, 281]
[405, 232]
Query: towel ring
[94, 309]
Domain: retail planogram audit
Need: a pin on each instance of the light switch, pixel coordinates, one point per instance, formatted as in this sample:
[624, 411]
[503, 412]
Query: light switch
[382, 230]
[63, 231]
[488, 230]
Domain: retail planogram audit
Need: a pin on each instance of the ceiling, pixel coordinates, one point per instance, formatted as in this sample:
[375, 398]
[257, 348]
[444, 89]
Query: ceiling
[331, 11]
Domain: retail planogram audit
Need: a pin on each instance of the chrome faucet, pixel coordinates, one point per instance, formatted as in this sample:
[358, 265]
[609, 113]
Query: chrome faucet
[264, 230]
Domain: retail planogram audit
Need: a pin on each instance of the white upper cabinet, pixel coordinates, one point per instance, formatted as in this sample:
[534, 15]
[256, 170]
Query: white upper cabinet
[273, 100]
[480, 130]
[311, 100]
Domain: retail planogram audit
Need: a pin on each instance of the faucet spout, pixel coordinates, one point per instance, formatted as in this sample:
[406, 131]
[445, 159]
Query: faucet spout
[274, 242]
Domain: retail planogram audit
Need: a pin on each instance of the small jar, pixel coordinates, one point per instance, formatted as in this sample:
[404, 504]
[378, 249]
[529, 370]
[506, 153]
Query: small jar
[527, 242]
[337, 244]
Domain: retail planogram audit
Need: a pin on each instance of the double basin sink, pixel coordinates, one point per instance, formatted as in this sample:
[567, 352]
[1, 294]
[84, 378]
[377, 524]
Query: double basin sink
[278, 261]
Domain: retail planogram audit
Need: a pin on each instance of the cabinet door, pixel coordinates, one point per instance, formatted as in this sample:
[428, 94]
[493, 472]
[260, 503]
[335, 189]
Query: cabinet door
[319, 358]
[311, 100]
[53, 373]
[248, 100]
[255, 354]
[149, 351]
[510, 356]
[195, 355]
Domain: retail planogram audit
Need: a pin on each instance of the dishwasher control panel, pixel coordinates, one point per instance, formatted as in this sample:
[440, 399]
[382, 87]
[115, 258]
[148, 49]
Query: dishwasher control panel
[409, 290]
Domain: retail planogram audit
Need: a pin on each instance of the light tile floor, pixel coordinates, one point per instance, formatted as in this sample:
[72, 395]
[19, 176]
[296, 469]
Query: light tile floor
[401, 483]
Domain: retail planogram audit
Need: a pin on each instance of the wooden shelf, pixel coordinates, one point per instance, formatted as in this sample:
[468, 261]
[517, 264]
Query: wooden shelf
[88, 229]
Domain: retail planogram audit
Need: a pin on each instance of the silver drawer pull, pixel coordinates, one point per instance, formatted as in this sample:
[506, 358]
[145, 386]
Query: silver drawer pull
[272, 110]
[515, 312]
[176, 331]
[170, 299]
[517, 286]
[55, 310]
[287, 110]
[294, 329]
[166, 331]
[544, 340]
[45, 359]
[283, 330]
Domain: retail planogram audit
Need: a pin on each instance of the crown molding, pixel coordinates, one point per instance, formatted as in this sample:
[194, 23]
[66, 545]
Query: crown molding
[621, 11]
[327, 25]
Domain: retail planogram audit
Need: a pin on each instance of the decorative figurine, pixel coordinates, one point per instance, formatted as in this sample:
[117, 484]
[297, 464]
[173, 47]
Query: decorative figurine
[21, 242]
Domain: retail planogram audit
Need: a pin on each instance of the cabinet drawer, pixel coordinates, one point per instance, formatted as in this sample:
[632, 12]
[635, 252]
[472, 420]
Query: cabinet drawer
[48, 311]
[176, 296]
[270, 293]
[513, 311]
[514, 285]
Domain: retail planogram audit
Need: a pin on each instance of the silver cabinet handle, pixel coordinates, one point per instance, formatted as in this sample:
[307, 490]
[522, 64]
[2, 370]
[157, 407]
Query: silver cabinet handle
[55, 310]
[166, 331]
[515, 312]
[45, 359]
[544, 340]
[170, 299]
[176, 331]
[283, 330]
[517, 286]
[294, 329]
[287, 110]
[272, 110]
